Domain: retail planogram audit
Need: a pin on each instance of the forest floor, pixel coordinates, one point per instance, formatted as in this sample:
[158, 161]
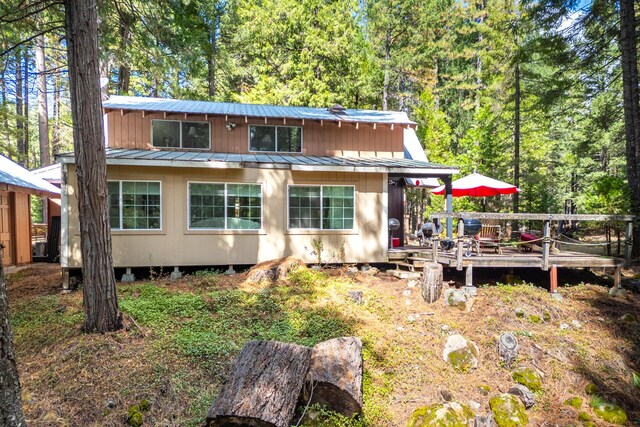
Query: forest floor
[180, 339]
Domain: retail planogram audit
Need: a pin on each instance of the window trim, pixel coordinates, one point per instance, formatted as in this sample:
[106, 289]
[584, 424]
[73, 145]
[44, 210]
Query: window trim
[181, 147]
[353, 229]
[276, 142]
[127, 230]
[225, 229]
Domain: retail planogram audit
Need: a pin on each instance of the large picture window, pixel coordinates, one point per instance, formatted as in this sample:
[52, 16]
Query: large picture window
[321, 207]
[225, 206]
[135, 205]
[180, 134]
[281, 139]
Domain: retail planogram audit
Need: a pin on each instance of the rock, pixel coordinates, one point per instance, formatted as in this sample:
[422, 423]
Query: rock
[524, 394]
[356, 296]
[411, 319]
[474, 405]
[508, 348]
[574, 402]
[519, 312]
[371, 271]
[608, 411]
[528, 378]
[450, 414]
[446, 395]
[617, 292]
[445, 328]
[472, 291]
[546, 316]
[352, 270]
[484, 421]
[534, 318]
[484, 389]
[406, 292]
[628, 318]
[564, 326]
[460, 353]
[508, 411]
[111, 403]
[144, 405]
[591, 388]
[134, 417]
[459, 299]
[576, 324]
[557, 296]
[412, 283]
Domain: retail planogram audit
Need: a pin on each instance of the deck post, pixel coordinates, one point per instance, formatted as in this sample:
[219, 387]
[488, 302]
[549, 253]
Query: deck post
[448, 191]
[435, 243]
[553, 279]
[546, 245]
[468, 276]
[460, 247]
[617, 277]
[628, 244]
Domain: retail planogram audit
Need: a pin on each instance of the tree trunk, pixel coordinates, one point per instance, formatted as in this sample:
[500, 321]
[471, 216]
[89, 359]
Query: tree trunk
[387, 65]
[124, 77]
[631, 102]
[55, 142]
[5, 105]
[99, 291]
[25, 153]
[10, 400]
[432, 279]
[335, 376]
[263, 387]
[19, 108]
[516, 139]
[212, 59]
[43, 113]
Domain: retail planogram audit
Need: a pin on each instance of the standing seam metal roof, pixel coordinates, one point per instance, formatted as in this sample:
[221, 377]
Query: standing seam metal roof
[254, 110]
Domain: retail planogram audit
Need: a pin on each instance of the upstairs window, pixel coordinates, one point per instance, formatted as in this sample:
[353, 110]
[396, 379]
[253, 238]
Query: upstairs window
[279, 139]
[179, 134]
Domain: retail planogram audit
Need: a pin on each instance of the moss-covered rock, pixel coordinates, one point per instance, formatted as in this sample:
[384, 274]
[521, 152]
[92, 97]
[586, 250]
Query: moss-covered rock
[134, 417]
[608, 411]
[591, 388]
[534, 318]
[508, 411]
[528, 378]
[484, 389]
[144, 405]
[583, 416]
[461, 353]
[546, 316]
[450, 414]
[575, 402]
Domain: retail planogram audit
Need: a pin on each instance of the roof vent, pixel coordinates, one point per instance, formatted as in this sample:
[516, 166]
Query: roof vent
[337, 109]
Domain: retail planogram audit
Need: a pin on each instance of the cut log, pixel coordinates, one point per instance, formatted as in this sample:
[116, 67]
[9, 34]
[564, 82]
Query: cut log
[263, 387]
[335, 376]
[432, 282]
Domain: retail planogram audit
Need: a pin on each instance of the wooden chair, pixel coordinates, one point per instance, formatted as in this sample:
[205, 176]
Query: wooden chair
[489, 237]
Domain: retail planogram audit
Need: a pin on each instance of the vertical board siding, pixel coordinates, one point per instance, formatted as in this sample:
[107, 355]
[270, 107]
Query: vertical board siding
[131, 130]
[6, 227]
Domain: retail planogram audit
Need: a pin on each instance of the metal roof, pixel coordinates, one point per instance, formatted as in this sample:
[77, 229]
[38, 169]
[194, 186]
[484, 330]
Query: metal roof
[253, 110]
[15, 175]
[124, 156]
[51, 173]
[413, 150]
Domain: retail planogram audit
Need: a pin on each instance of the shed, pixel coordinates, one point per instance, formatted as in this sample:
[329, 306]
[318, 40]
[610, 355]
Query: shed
[16, 184]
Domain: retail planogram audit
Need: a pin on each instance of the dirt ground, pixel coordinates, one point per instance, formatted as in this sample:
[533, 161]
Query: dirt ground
[70, 378]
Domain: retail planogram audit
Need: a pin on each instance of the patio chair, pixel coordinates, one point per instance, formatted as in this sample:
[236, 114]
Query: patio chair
[489, 237]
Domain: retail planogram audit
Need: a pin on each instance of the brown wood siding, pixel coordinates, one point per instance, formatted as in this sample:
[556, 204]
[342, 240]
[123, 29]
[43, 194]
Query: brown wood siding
[131, 130]
[15, 227]
[6, 227]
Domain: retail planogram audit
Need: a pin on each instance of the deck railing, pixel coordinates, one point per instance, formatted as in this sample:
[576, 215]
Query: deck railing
[546, 238]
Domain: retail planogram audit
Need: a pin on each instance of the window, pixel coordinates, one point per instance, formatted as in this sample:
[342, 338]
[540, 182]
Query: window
[179, 134]
[321, 207]
[283, 139]
[134, 205]
[225, 206]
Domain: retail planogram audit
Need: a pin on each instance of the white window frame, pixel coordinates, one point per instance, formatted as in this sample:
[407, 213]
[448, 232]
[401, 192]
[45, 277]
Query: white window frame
[241, 230]
[120, 228]
[322, 207]
[276, 141]
[181, 122]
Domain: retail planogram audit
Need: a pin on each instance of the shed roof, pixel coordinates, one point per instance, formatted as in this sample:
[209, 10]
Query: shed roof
[254, 110]
[14, 177]
[121, 156]
[51, 173]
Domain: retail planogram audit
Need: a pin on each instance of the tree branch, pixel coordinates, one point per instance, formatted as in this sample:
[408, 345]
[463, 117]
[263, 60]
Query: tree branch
[28, 39]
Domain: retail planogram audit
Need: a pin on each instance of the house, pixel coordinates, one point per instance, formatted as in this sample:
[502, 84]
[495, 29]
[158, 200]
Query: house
[53, 175]
[195, 183]
[16, 184]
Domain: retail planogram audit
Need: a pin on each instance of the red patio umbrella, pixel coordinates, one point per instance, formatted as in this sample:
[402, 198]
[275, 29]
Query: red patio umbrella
[477, 185]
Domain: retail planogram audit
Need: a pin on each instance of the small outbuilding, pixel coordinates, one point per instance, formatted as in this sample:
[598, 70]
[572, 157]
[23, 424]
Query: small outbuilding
[16, 184]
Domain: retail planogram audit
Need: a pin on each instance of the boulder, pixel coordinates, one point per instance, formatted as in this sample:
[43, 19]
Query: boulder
[461, 353]
[459, 299]
[484, 421]
[508, 348]
[608, 411]
[524, 394]
[528, 378]
[508, 411]
[449, 414]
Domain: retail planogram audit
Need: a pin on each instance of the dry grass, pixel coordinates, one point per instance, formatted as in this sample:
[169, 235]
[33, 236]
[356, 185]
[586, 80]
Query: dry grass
[68, 377]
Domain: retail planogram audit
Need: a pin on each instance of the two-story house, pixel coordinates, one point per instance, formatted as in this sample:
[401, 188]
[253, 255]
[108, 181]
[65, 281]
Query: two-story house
[195, 183]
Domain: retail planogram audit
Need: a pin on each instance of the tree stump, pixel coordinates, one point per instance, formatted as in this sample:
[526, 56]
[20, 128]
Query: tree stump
[508, 348]
[432, 282]
[335, 376]
[263, 387]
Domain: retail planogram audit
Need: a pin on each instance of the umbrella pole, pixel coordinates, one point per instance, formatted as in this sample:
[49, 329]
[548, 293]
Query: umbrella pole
[448, 191]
